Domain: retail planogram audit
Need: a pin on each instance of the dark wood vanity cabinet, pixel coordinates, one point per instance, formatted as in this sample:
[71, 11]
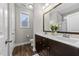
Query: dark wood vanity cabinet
[62, 49]
[41, 45]
[48, 47]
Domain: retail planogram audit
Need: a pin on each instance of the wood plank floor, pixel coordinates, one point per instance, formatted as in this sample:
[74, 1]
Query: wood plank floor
[23, 50]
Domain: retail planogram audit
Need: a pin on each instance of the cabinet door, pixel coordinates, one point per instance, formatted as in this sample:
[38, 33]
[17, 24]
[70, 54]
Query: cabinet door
[51, 47]
[38, 43]
[42, 45]
[62, 49]
[45, 46]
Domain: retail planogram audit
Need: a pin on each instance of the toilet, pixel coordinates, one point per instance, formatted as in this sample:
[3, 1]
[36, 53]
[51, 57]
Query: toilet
[32, 43]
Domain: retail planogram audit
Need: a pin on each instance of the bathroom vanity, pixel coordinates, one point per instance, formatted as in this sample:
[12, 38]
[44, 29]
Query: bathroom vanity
[49, 45]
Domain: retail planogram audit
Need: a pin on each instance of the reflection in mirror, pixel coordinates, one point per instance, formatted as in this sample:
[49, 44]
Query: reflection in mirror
[71, 22]
[66, 15]
[50, 18]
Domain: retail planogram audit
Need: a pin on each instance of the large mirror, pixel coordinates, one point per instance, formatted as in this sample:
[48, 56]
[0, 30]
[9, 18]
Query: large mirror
[66, 15]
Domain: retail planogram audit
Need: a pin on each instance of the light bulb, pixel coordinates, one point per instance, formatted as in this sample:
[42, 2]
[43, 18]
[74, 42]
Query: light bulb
[30, 6]
[46, 4]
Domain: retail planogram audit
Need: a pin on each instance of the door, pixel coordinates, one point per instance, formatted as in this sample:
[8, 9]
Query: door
[7, 28]
[11, 28]
[3, 29]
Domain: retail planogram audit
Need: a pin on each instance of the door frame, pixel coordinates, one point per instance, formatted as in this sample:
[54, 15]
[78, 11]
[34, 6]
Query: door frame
[10, 19]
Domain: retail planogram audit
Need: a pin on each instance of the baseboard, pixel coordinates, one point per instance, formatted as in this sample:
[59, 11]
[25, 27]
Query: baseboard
[21, 43]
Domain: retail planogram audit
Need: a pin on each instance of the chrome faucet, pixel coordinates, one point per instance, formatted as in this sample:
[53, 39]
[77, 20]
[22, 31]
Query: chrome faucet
[66, 35]
[45, 32]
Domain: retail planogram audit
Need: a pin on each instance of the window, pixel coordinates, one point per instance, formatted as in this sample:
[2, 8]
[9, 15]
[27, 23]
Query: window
[24, 20]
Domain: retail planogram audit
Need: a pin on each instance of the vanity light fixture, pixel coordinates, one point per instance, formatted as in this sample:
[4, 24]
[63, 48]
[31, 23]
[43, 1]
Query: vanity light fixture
[46, 4]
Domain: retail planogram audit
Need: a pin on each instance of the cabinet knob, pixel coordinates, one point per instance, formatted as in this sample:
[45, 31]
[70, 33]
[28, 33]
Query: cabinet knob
[43, 39]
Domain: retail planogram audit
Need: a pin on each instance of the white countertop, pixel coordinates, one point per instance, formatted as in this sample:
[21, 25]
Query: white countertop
[70, 41]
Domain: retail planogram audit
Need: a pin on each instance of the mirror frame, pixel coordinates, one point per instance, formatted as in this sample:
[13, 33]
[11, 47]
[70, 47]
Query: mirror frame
[57, 31]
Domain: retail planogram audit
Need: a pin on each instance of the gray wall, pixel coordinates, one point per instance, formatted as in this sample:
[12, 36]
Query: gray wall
[21, 33]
